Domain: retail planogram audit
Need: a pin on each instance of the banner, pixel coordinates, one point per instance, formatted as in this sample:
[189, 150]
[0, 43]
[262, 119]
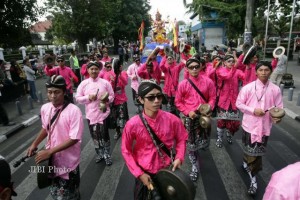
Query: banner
[141, 35]
[175, 33]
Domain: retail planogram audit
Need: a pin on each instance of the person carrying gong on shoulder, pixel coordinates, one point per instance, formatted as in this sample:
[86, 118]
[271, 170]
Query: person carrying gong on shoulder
[96, 94]
[193, 93]
[64, 133]
[261, 103]
[143, 155]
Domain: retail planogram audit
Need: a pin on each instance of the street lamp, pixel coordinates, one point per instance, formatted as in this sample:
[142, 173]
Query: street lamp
[290, 34]
[266, 33]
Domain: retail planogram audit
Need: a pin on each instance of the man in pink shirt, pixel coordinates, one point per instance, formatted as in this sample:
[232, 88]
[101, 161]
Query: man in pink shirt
[171, 71]
[255, 100]
[132, 72]
[188, 101]
[64, 134]
[284, 184]
[228, 116]
[150, 70]
[120, 101]
[143, 158]
[65, 72]
[89, 93]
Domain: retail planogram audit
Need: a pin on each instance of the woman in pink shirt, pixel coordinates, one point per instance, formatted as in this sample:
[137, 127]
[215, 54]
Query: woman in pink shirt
[83, 71]
[188, 101]
[119, 105]
[141, 155]
[255, 100]
[105, 58]
[228, 116]
[64, 133]
[171, 71]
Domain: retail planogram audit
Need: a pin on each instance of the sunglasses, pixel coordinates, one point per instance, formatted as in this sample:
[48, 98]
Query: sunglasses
[193, 67]
[170, 58]
[108, 66]
[60, 61]
[153, 97]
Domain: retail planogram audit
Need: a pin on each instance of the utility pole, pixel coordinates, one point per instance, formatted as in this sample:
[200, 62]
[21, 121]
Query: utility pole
[248, 21]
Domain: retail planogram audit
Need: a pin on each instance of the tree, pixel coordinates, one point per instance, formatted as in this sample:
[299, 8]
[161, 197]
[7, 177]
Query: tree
[84, 20]
[232, 12]
[15, 19]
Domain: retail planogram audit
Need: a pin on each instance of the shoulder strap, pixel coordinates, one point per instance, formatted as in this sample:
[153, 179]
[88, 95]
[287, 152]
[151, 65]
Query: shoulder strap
[56, 115]
[157, 142]
[197, 90]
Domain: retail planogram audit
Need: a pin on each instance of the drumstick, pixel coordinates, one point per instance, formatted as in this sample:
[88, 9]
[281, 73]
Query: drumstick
[23, 159]
[270, 108]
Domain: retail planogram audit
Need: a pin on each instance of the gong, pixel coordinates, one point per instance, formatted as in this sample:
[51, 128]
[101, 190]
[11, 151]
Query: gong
[277, 112]
[175, 185]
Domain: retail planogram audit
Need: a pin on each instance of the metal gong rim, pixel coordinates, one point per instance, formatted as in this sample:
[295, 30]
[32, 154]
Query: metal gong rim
[175, 185]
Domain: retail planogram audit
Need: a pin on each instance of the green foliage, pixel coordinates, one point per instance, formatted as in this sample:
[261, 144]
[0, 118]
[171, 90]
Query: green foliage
[15, 18]
[83, 20]
[233, 13]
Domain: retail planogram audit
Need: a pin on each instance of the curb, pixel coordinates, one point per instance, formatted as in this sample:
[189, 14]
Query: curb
[292, 115]
[19, 127]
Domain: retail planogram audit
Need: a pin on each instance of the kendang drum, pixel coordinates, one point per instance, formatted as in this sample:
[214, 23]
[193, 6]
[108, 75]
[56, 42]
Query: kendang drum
[175, 185]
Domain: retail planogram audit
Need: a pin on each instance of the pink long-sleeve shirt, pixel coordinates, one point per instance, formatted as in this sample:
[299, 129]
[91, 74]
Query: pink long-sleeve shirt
[132, 71]
[229, 88]
[250, 72]
[66, 127]
[91, 86]
[155, 74]
[187, 98]
[84, 71]
[171, 77]
[110, 76]
[257, 95]
[284, 184]
[106, 59]
[65, 72]
[144, 155]
[119, 90]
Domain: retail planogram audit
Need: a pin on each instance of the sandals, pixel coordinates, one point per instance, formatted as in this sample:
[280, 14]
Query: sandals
[194, 176]
[252, 189]
[229, 139]
[108, 161]
[99, 158]
[219, 143]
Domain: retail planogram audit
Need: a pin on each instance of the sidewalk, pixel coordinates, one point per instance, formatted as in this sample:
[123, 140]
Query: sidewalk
[30, 116]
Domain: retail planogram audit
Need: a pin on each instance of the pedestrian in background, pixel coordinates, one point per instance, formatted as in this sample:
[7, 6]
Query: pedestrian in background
[4, 81]
[30, 75]
[74, 64]
[255, 100]
[280, 64]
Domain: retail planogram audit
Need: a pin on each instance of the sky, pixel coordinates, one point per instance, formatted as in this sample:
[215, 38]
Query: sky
[173, 8]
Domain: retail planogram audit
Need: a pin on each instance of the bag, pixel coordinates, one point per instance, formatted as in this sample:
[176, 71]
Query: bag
[112, 118]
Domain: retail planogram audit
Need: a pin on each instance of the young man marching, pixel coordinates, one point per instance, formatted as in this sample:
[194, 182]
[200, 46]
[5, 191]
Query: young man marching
[255, 100]
[89, 93]
[64, 133]
[192, 93]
